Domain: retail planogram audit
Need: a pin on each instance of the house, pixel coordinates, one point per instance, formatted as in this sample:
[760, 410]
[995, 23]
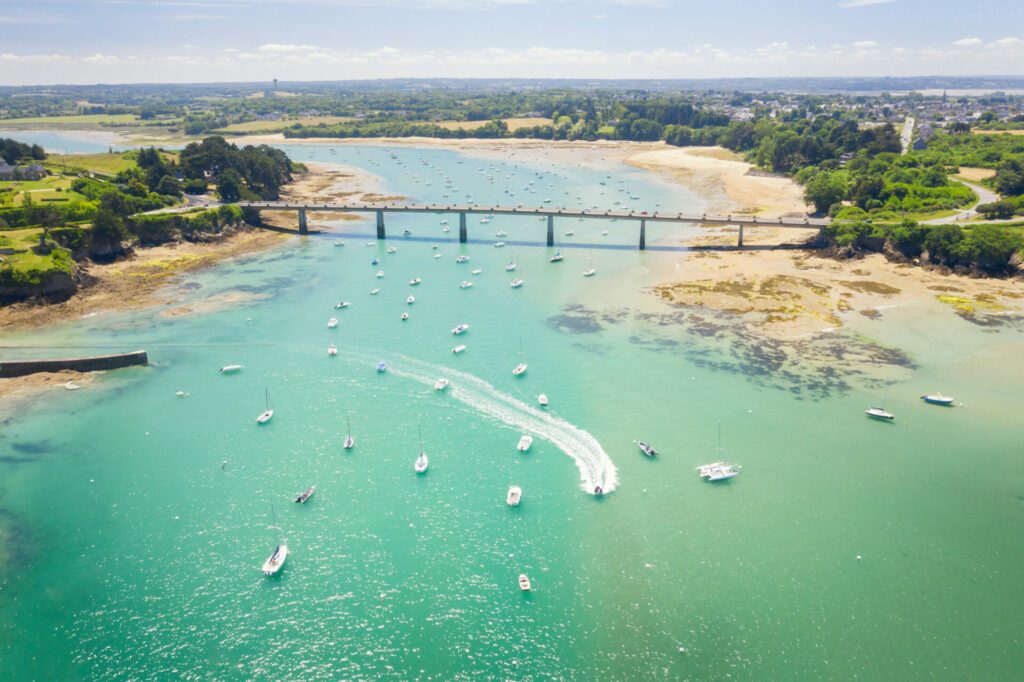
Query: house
[31, 172]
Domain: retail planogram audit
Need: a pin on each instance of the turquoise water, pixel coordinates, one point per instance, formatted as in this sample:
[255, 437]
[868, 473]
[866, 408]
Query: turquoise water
[131, 553]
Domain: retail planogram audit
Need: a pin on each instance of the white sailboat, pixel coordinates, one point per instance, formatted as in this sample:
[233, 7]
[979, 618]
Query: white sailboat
[516, 283]
[591, 270]
[520, 369]
[421, 462]
[268, 413]
[718, 471]
[880, 412]
[350, 442]
[938, 399]
[332, 350]
[275, 562]
[332, 323]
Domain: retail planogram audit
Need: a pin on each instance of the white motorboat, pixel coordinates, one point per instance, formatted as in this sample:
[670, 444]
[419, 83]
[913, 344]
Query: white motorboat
[382, 366]
[498, 245]
[380, 274]
[879, 413]
[465, 284]
[231, 369]
[460, 329]
[569, 233]
[441, 384]
[274, 564]
[392, 249]
[405, 316]
[718, 471]
[519, 369]
[524, 583]
[516, 283]
[332, 350]
[590, 272]
[476, 272]
[514, 497]
[374, 292]
[525, 441]
[458, 349]
[437, 255]
[349, 442]
[305, 495]
[542, 399]
[646, 448]
[461, 259]
[604, 233]
[414, 281]
[181, 394]
[937, 399]
[411, 299]
[268, 413]
[510, 267]
[342, 304]
[332, 323]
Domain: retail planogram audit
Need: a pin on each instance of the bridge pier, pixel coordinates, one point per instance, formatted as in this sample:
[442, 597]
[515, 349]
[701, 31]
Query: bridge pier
[643, 234]
[551, 230]
[303, 223]
[380, 225]
[462, 228]
[739, 242]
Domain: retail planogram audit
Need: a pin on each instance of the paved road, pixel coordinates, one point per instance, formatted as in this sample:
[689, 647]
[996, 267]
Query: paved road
[907, 136]
[985, 196]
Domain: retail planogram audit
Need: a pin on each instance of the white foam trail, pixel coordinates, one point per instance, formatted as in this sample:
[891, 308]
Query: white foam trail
[595, 466]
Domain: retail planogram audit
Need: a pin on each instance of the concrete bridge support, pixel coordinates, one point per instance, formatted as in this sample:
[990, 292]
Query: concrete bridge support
[551, 230]
[380, 225]
[462, 228]
[739, 242]
[303, 223]
[643, 235]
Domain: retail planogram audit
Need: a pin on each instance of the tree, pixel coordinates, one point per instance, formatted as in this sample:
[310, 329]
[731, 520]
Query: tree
[825, 189]
[1010, 178]
[229, 186]
[990, 247]
[168, 186]
[107, 234]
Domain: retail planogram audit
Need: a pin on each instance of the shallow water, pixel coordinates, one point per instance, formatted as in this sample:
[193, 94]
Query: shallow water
[845, 548]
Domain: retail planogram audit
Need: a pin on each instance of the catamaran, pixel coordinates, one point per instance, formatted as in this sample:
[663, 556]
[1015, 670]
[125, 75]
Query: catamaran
[308, 493]
[274, 564]
[460, 329]
[937, 399]
[231, 369]
[718, 471]
[646, 448]
[332, 323]
[441, 384]
[268, 413]
[525, 441]
[515, 495]
[349, 440]
[421, 462]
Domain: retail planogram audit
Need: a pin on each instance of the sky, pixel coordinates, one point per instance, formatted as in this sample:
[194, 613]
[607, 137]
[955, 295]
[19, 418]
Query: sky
[154, 41]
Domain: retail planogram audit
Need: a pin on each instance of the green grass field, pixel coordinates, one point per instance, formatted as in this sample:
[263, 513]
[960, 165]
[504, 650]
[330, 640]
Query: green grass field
[13, 193]
[84, 119]
[105, 164]
[252, 127]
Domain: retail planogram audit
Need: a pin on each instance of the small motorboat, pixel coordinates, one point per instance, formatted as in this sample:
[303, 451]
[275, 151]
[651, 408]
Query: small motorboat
[374, 261]
[589, 272]
[276, 561]
[441, 384]
[332, 350]
[498, 245]
[938, 399]
[411, 299]
[510, 267]
[446, 229]
[461, 259]
[524, 583]
[879, 413]
[231, 369]
[304, 497]
[557, 258]
[332, 323]
[646, 448]
[406, 233]
[525, 441]
[476, 272]
[516, 283]
[405, 316]
[181, 394]
[501, 233]
[519, 370]
[598, 491]
[542, 399]
[380, 274]
[460, 329]
[336, 244]
[604, 233]
[718, 471]
[434, 247]
[437, 255]
[465, 284]
[458, 349]
[342, 304]
[514, 497]
[382, 366]
[569, 233]
[268, 413]
[374, 292]
[414, 281]
[392, 249]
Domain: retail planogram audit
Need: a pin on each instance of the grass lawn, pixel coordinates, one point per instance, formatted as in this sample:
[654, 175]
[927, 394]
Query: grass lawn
[42, 191]
[27, 265]
[105, 164]
[84, 119]
[251, 127]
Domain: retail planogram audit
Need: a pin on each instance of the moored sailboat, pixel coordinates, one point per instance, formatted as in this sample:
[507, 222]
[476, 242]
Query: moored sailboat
[268, 413]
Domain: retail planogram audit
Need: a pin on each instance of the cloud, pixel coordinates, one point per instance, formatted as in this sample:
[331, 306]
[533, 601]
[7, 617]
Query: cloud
[863, 3]
[967, 42]
[285, 48]
[1006, 42]
[865, 44]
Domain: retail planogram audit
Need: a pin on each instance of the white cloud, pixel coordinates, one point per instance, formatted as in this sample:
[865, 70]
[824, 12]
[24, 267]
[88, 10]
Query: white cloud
[863, 3]
[967, 42]
[865, 44]
[1006, 42]
[283, 48]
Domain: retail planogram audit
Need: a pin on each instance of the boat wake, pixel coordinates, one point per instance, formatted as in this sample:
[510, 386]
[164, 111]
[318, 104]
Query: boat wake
[595, 466]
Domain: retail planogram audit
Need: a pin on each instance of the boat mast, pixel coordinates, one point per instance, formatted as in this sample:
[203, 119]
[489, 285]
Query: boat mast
[421, 438]
[349, 421]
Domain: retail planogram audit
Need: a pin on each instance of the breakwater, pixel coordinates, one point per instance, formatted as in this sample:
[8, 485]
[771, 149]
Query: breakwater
[19, 368]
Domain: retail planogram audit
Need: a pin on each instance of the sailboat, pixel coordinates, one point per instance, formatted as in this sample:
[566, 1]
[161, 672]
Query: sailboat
[350, 442]
[590, 271]
[421, 462]
[879, 412]
[718, 471]
[558, 257]
[520, 369]
[274, 564]
[268, 413]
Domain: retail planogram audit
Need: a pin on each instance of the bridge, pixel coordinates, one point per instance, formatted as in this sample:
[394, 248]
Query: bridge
[641, 217]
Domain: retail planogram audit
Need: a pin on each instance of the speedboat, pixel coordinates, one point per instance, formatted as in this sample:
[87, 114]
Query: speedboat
[938, 399]
[879, 413]
[446, 229]
[525, 441]
[332, 350]
[342, 304]
[437, 255]
[498, 245]
[598, 491]
[268, 413]
[465, 284]
[604, 233]
[461, 259]
[374, 292]
[276, 561]
[542, 399]
[458, 349]
[441, 384]
[231, 369]
[332, 323]
[589, 272]
[382, 366]
[501, 233]
[392, 249]
[476, 272]
[717, 471]
[406, 233]
[557, 258]
[460, 329]
[414, 281]
[411, 299]
[304, 497]
[646, 448]
[405, 316]
[516, 283]
[421, 463]
[524, 583]
[569, 233]
[380, 274]
[519, 369]
[510, 267]
[374, 262]
[515, 495]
